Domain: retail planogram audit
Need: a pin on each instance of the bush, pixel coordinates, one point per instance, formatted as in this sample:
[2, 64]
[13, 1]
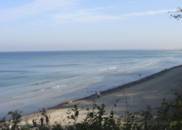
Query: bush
[167, 117]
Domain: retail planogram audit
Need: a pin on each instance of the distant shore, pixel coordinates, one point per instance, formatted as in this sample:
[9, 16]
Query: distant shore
[134, 96]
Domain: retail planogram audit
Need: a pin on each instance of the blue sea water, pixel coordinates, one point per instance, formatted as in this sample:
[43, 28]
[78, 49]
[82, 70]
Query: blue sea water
[33, 80]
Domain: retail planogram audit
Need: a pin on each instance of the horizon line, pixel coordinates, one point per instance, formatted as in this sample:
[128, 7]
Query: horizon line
[81, 50]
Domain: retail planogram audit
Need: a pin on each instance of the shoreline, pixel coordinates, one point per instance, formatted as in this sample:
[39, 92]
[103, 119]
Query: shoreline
[133, 97]
[114, 89]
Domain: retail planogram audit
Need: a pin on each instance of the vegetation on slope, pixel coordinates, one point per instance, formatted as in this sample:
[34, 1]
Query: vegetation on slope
[167, 117]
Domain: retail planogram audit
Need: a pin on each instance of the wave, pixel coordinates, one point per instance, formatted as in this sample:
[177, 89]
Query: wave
[141, 65]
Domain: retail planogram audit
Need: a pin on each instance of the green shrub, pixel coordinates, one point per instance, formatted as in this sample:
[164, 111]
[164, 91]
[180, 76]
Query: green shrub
[167, 117]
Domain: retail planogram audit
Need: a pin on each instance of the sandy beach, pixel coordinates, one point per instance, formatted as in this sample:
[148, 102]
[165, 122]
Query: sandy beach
[133, 97]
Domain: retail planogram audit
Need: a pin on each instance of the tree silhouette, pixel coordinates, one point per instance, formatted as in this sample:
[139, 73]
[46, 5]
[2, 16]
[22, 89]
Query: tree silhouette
[177, 14]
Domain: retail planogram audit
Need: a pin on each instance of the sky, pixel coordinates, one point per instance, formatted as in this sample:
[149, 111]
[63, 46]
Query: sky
[38, 25]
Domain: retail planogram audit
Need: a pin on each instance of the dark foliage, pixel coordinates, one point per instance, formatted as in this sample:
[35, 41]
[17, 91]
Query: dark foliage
[177, 14]
[167, 117]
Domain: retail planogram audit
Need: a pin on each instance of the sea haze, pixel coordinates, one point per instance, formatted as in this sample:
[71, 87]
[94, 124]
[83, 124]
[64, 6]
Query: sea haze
[30, 81]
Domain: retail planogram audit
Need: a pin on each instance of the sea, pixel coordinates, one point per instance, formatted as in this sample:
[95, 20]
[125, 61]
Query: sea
[30, 81]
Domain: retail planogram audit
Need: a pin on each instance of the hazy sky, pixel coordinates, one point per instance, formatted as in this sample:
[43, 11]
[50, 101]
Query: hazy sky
[88, 24]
